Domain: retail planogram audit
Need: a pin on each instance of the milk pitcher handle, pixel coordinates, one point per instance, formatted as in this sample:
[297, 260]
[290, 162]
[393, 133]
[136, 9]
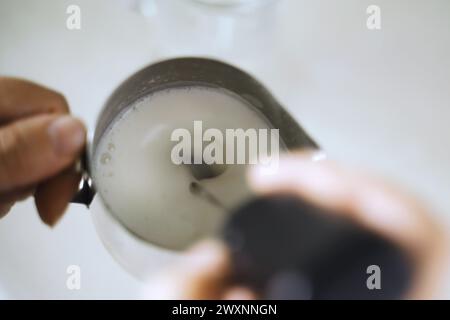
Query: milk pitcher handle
[86, 190]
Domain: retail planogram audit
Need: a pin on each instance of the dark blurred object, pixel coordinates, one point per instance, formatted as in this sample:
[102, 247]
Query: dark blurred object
[285, 248]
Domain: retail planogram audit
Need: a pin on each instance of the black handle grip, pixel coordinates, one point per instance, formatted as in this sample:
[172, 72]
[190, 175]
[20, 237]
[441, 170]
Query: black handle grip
[285, 248]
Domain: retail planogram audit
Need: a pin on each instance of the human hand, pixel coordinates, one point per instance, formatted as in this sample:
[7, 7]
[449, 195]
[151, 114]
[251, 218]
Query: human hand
[204, 272]
[39, 144]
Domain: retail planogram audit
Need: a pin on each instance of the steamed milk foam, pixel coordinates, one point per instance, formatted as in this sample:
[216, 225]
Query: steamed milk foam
[145, 190]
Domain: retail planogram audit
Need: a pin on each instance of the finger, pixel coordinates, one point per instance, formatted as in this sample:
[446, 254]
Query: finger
[21, 98]
[205, 269]
[9, 199]
[5, 208]
[52, 196]
[37, 148]
[200, 274]
[17, 195]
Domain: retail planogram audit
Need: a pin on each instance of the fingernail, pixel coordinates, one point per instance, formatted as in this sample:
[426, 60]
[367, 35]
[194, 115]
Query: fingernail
[67, 135]
[319, 156]
[310, 170]
[259, 175]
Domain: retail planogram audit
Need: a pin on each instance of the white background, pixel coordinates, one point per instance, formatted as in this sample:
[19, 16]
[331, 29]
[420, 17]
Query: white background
[378, 100]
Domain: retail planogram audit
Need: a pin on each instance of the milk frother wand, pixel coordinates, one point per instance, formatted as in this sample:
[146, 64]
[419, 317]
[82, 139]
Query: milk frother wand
[285, 248]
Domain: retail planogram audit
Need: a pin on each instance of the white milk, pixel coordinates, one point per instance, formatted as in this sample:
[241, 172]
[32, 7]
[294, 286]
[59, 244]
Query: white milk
[141, 186]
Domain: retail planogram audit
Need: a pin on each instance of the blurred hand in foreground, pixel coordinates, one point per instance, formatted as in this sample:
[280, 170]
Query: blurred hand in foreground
[39, 144]
[204, 271]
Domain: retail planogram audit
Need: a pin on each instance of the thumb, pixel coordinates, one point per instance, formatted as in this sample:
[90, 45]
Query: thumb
[201, 273]
[37, 148]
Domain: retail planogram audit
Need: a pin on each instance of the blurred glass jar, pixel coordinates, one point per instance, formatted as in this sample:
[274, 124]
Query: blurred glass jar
[233, 3]
[228, 29]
